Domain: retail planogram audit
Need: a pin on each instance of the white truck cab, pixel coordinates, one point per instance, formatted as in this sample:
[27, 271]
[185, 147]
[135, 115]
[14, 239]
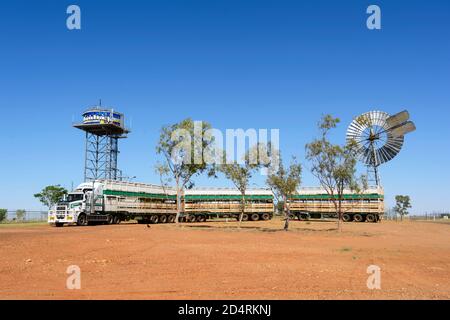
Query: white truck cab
[68, 209]
[74, 204]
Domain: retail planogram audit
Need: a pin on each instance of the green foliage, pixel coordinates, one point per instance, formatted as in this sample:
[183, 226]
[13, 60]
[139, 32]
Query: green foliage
[20, 214]
[3, 214]
[240, 174]
[403, 203]
[50, 195]
[334, 165]
[183, 146]
[284, 183]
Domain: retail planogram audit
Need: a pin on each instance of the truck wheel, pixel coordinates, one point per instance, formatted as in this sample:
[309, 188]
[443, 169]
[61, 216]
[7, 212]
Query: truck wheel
[255, 217]
[110, 219]
[162, 219]
[154, 219]
[191, 218]
[370, 218]
[265, 216]
[291, 216]
[358, 218]
[82, 220]
[171, 219]
[59, 224]
[346, 218]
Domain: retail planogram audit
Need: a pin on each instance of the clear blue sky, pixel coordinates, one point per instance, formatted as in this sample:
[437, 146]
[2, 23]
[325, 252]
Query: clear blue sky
[235, 63]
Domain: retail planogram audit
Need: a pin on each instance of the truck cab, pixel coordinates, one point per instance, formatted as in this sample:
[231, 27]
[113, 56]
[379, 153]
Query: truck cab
[76, 206]
[68, 209]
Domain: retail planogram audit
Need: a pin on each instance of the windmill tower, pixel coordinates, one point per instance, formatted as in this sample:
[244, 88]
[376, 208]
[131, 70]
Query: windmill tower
[379, 137]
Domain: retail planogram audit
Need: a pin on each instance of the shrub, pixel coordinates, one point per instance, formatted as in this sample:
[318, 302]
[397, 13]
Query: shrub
[20, 214]
[3, 214]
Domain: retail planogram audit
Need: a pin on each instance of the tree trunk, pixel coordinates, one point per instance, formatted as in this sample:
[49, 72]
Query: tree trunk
[177, 217]
[287, 214]
[336, 208]
[242, 207]
[339, 215]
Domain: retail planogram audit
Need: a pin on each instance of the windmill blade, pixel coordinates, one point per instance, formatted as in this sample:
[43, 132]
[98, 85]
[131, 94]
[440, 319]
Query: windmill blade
[403, 129]
[379, 136]
[397, 119]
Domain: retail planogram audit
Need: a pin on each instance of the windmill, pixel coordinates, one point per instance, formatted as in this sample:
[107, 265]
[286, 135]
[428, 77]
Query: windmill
[379, 138]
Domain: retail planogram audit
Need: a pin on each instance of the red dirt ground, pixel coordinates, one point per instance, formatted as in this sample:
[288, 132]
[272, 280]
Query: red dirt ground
[215, 260]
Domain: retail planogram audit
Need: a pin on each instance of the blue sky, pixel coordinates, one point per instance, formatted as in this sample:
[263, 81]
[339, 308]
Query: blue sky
[237, 64]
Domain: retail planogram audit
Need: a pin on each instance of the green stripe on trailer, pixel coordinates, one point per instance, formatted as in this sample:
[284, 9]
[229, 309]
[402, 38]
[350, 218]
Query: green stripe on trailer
[138, 194]
[345, 196]
[211, 197]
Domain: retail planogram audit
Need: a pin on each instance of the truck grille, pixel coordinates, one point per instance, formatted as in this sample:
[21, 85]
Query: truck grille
[61, 208]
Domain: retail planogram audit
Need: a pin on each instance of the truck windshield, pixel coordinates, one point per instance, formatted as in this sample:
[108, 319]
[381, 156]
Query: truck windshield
[74, 197]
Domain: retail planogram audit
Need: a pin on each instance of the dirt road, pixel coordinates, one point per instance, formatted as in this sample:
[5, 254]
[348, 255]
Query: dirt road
[215, 260]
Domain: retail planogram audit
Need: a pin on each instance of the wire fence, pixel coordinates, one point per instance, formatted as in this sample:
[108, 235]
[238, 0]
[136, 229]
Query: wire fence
[40, 216]
[25, 216]
[390, 214]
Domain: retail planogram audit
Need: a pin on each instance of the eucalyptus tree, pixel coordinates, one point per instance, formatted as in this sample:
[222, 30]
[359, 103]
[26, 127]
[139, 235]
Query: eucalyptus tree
[50, 195]
[402, 204]
[260, 156]
[334, 165]
[182, 146]
[284, 183]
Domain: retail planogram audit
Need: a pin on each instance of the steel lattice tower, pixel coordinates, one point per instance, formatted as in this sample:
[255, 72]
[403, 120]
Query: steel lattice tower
[103, 130]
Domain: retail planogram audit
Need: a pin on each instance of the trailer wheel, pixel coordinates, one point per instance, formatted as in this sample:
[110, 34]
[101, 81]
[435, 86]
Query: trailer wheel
[59, 224]
[254, 217]
[154, 219]
[191, 218]
[201, 218]
[244, 217]
[370, 218]
[171, 219]
[117, 220]
[302, 217]
[162, 219]
[358, 218]
[265, 216]
[347, 218]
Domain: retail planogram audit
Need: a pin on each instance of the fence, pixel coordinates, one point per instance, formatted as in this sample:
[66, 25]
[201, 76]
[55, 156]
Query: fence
[25, 215]
[434, 216]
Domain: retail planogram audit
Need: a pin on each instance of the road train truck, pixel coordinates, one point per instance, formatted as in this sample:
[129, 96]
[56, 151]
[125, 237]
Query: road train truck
[111, 201]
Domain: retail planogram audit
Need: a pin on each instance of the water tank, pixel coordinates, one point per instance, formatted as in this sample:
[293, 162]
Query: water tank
[103, 116]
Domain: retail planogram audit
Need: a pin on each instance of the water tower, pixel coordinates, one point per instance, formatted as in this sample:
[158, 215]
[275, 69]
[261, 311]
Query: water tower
[103, 128]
